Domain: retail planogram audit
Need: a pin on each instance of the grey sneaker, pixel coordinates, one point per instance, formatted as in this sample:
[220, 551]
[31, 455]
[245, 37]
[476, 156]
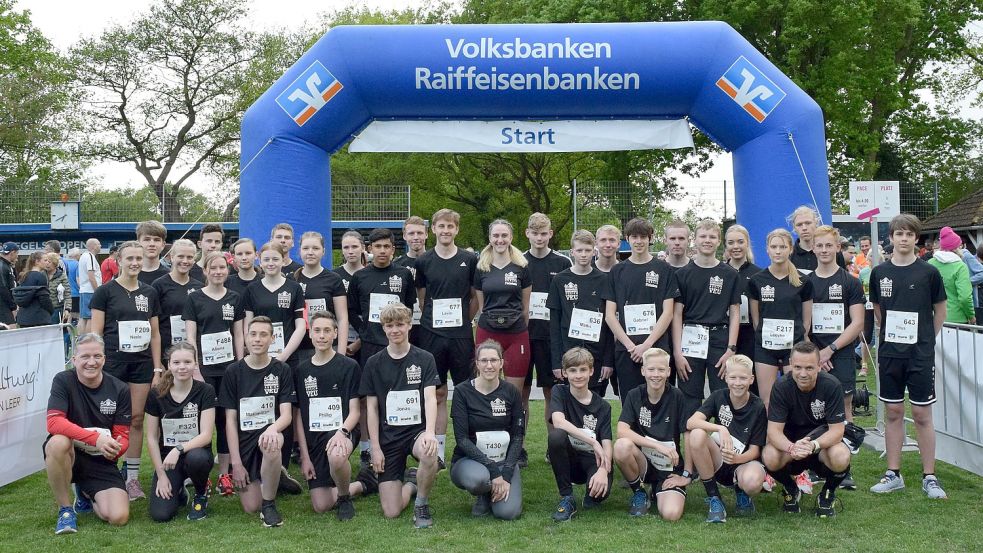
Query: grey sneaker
[890, 482]
[932, 488]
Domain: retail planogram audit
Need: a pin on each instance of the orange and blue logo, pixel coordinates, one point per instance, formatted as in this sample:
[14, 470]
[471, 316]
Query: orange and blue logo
[309, 92]
[751, 89]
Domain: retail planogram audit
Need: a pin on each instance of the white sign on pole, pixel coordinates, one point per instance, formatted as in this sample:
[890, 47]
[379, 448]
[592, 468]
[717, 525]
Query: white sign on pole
[881, 199]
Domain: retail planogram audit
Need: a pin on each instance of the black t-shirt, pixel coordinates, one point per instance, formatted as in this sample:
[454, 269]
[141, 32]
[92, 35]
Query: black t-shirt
[749, 424]
[130, 310]
[398, 385]
[198, 273]
[214, 320]
[291, 268]
[780, 301]
[446, 279]
[541, 272]
[502, 294]
[807, 260]
[256, 395]
[664, 422]
[746, 271]
[708, 293]
[283, 306]
[482, 421]
[803, 412]
[172, 297]
[319, 294]
[148, 277]
[328, 388]
[644, 286]
[903, 294]
[595, 416]
[570, 291]
[842, 290]
[346, 280]
[409, 262]
[236, 284]
[105, 406]
[370, 290]
[180, 421]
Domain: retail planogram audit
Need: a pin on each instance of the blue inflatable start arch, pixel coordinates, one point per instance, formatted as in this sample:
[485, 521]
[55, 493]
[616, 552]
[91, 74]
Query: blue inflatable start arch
[705, 71]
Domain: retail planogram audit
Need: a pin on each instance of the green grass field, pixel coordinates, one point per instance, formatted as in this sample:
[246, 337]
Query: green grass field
[904, 521]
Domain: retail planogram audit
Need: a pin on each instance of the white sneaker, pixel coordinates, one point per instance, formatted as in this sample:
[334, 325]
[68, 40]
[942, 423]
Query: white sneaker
[932, 488]
[890, 482]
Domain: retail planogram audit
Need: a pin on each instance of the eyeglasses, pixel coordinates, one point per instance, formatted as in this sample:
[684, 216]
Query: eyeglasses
[489, 361]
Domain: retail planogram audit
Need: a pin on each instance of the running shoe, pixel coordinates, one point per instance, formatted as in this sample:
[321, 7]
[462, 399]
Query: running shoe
[745, 505]
[270, 516]
[288, 484]
[422, 517]
[813, 477]
[482, 506]
[67, 521]
[134, 491]
[639, 505]
[225, 485]
[790, 503]
[82, 504]
[346, 509]
[933, 488]
[369, 480]
[825, 504]
[803, 483]
[365, 460]
[890, 482]
[199, 507]
[717, 512]
[547, 458]
[769, 484]
[848, 483]
[590, 502]
[440, 464]
[523, 458]
[565, 509]
[409, 476]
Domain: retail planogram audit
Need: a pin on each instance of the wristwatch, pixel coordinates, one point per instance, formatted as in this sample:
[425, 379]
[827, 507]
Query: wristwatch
[833, 348]
[686, 474]
[815, 446]
[180, 448]
[732, 348]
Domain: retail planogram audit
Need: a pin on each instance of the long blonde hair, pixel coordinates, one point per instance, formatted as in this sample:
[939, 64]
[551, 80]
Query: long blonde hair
[739, 229]
[793, 273]
[485, 258]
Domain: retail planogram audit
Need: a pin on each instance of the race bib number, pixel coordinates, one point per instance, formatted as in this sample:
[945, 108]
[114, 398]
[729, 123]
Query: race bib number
[777, 334]
[377, 302]
[869, 306]
[585, 325]
[91, 449]
[277, 346]
[901, 327]
[403, 408]
[134, 336]
[447, 313]
[178, 332]
[658, 460]
[178, 431]
[325, 414]
[318, 305]
[739, 446]
[581, 445]
[256, 413]
[494, 444]
[639, 319]
[537, 306]
[696, 341]
[745, 318]
[417, 313]
[827, 318]
[216, 347]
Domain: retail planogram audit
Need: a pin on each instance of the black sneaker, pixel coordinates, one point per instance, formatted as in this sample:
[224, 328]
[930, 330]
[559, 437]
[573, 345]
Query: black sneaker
[346, 509]
[565, 509]
[365, 460]
[825, 504]
[409, 477]
[270, 516]
[369, 480]
[523, 458]
[288, 484]
[790, 502]
[199, 508]
[590, 502]
[441, 465]
[421, 516]
[814, 478]
[848, 483]
[482, 505]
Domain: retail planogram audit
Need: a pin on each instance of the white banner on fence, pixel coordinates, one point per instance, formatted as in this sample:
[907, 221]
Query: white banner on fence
[29, 359]
[523, 136]
[958, 413]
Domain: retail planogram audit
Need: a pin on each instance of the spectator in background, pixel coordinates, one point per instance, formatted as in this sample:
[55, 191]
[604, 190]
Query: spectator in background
[8, 279]
[979, 287]
[110, 266]
[89, 278]
[72, 271]
[54, 246]
[929, 249]
[31, 295]
[863, 259]
[955, 277]
[58, 290]
[973, 262]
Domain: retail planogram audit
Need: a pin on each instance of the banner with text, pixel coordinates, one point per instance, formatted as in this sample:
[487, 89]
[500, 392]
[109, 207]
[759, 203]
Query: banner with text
[523, 136]
[29, 360]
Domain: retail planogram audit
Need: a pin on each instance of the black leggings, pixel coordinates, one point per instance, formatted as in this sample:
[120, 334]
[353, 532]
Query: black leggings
[571, 466]
[221, 441]
[194, 464]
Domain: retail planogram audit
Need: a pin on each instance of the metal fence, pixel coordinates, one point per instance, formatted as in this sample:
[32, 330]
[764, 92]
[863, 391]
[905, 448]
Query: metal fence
[958, 413]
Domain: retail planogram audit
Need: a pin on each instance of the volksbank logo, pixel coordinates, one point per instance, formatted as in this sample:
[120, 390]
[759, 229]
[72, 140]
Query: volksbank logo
[751, 89]
[308, 93]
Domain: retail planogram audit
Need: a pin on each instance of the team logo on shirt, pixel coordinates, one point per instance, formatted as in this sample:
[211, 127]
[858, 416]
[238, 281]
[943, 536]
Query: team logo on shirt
[107, 407]
[271, 384]
[571, 291]
[652, 279]
[303, 287]
[228, 312]
[414, 374]
[345, 282]
[190, 410]
[142, 303]
[310, 386]
[590, 422]
[767, 293]
[498, 407]
[725, 415]
[716, 285]
[283, 300]
[887, 287]
[396, 284]
[836, 292]
[190, 290]
[645, 417]
[412, 272]
[511, 279]
[818, 409]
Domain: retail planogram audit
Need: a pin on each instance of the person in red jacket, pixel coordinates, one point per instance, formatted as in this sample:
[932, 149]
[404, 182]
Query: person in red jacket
[88, 431]
[110, 265]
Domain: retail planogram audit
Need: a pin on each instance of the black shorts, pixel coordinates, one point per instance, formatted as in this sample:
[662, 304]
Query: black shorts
[542, 359]
[811, 462]
[868, 333]
[368, 350]
[252, 461]
[845, 370]
[415, 334]
[131, 372]
[450, 355]
[629, 372]
[726, 475]
[657, 477]
[914, 374]
[322, 468]
[396, 454]
[93, 473]
[773, 357]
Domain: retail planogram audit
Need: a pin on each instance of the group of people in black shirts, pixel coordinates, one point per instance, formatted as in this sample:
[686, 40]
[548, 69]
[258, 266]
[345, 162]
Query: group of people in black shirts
[360, 358]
